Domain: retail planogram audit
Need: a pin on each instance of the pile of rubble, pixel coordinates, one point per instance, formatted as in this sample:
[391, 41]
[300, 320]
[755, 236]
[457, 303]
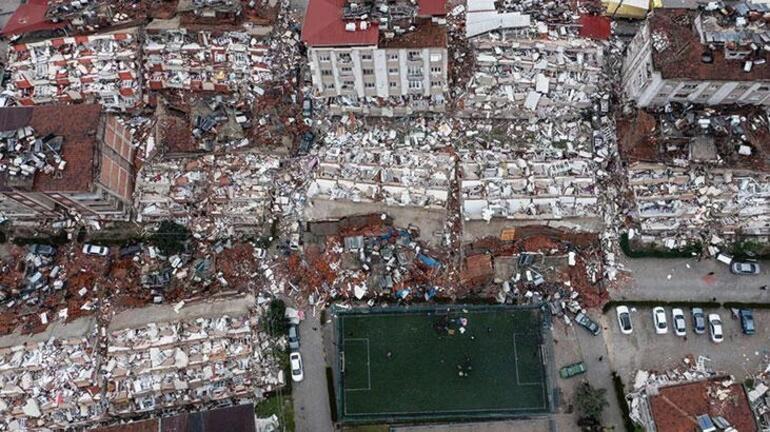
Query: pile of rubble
[205, 61]
[99, 68]
[216, 195]
[519, 77]
[49, 385]
[24, 153]
[93, 15]
[169, 365]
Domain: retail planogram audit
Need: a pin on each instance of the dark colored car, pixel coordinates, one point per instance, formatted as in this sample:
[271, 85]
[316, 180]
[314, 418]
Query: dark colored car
[307, 107]
[306, 142]
[42, 249]
[698, 320]
[587, 323]
[130, 250]
[294, 338]
[747, 321]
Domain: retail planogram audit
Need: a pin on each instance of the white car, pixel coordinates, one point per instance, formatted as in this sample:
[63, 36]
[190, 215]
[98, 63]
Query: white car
[297, 374]
[90, 249]
[624, 319]
[659, 318]
[715, 327]
[678, 322]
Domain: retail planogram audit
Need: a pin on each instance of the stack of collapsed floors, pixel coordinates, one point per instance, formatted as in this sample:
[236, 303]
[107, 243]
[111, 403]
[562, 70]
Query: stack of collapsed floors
[98, 68]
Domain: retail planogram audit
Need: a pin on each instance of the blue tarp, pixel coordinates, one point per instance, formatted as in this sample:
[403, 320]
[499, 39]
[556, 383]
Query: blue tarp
[428, 261]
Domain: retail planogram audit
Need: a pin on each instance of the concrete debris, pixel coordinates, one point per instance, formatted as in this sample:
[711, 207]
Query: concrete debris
[101, 68]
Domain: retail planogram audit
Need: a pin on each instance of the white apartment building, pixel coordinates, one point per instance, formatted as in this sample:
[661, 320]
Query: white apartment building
[369, 58]
[701, 57]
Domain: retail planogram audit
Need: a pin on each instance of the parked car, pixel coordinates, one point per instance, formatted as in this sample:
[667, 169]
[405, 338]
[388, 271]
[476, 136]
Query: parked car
[678, 322]
[624, 319]
[130, 250]
[698, 320]
[589, 324]
[715, 325]
[659, 318]
[42, 249]
[307, 107]
[747, 321]
[306, 142]
[572, 370]
[744, 268]
[90, 249]
[294, 337]
[297, 373]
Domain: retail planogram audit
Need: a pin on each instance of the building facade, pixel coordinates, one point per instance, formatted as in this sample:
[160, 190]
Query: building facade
[677, 56]
[355, 57]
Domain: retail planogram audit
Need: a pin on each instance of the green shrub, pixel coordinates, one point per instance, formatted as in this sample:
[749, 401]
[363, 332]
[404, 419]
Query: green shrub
[170, 238]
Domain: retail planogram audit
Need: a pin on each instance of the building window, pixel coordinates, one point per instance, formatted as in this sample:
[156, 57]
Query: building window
[413, 55]
[435, 69]
[347, 84]
[393, 56]
[366, 56]
[436, 83]
[367, 71]
[369, 85]
[347, 69]
[393, 71]
[435, 57]
[393, 84]
[344, 57]
[415, 84]
[326, 72]
[414, 71]
[324, 57]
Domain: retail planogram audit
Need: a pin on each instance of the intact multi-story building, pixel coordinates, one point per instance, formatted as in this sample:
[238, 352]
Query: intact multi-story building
[375, 49]
[61, 160]
[701, 57]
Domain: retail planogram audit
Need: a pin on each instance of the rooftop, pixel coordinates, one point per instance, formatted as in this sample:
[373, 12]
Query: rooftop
[675, 408]
[678, 50]
[77, 125]
[396, 25]
[30, 17]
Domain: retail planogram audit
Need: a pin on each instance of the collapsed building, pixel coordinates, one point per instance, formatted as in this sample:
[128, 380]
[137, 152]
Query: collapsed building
[360, 51]
[715, 55]
[204, 61]
[65, 160]
[170, 365]
[695, 173]
[227, 194]
[98, 68]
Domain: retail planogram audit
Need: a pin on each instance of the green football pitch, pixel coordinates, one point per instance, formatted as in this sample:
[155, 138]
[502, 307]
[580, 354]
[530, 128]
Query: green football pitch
[440, 363]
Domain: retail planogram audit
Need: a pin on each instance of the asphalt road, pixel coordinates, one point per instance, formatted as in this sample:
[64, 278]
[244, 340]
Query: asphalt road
[688, 279]
[312, 412]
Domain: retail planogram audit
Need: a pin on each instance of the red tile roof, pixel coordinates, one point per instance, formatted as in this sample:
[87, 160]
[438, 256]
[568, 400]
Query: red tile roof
[30, 17]
[432, 7]
[324, 26]
[676, 407]
[595, 27]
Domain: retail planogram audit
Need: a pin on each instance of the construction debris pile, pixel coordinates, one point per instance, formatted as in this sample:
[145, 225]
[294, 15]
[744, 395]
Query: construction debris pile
[100, 68]
[695, 173]
[201, 361]
[49, 385]
[217, 195]
[24, 154]
[520, 77]
[205, 61]
[92, 15]
[548, 174]
[384, 165]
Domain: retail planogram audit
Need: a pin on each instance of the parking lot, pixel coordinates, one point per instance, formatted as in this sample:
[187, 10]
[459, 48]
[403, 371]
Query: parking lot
[738, 354]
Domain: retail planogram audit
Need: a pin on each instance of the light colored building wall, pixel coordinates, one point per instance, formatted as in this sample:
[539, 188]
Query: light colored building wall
[375, 72]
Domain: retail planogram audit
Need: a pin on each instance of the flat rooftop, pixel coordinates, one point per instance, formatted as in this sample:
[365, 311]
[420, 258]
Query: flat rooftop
[677, 47]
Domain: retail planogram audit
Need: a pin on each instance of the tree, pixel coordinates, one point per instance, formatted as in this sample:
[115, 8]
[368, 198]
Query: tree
[170, 237]
[276, 318]
[590, 402]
